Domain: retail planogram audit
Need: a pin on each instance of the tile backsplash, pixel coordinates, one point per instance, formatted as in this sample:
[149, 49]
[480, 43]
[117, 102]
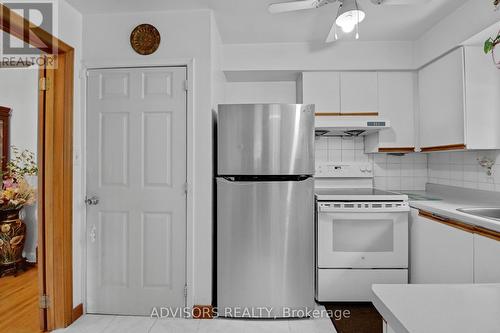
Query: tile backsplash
[407, 172]
[463, 170]
[413, 171]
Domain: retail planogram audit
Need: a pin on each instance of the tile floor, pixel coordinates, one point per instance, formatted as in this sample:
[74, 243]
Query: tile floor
[122, 324]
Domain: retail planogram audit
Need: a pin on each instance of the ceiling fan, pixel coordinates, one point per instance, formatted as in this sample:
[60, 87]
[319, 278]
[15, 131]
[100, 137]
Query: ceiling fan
[349, 14]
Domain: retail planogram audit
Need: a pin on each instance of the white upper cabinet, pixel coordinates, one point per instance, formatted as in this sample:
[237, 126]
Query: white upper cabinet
[396, 91]
[359, 93]
[323, 90]
[482, 100]
[347, 93]
[441, 91]
[486, 260]
[459, 102]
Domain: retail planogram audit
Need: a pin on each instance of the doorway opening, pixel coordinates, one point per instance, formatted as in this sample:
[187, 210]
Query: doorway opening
[18, 207]
[54, 194]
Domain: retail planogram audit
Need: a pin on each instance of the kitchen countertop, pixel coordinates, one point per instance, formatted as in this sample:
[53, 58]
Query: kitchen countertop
[427, 308]
[446, 200]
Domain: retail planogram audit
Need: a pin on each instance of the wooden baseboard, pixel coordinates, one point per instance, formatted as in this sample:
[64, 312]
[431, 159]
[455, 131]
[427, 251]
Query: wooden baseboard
[203, 312]
[77, 312]
[459, 146]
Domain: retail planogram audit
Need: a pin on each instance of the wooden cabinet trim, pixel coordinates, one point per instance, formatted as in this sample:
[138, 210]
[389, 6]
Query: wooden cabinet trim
[397, 150]
[459, 146]
[449, 222]
[362, 114]
[492, 234]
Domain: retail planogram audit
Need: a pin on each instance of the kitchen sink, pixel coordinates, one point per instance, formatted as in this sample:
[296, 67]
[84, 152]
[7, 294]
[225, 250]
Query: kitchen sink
[486, 212]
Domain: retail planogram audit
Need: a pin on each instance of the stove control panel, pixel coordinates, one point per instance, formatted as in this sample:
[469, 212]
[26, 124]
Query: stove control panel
[343, 170]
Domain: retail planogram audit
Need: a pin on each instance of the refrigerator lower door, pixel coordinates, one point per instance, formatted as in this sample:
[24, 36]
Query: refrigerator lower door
[265, 255]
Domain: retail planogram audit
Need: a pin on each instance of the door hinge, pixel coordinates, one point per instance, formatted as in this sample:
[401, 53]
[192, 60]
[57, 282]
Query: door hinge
[185, 290]
[44, 84]
[44, 302]
[186, 85]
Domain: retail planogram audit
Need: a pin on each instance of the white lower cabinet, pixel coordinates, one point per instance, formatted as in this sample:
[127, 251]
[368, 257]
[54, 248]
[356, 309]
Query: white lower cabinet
[439, 253]
[486, 260]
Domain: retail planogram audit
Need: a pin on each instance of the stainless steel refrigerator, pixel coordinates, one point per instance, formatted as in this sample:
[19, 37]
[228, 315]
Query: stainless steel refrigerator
[265, 210]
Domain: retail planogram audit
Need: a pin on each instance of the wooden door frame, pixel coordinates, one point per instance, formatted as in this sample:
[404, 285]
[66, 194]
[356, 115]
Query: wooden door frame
[55, 179]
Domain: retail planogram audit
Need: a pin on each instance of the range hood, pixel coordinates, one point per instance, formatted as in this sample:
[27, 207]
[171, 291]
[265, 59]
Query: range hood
[349, 126]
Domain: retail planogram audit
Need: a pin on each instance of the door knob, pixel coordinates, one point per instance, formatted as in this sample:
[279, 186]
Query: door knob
[92, 201]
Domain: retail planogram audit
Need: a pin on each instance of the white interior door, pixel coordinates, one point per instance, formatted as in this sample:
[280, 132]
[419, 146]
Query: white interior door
[136, 168]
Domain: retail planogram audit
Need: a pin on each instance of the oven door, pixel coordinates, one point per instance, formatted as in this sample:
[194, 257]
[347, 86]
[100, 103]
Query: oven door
[362, 237]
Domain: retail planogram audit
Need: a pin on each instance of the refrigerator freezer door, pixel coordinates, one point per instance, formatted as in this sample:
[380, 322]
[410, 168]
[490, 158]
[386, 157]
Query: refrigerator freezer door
[265, 258]
[265, 139]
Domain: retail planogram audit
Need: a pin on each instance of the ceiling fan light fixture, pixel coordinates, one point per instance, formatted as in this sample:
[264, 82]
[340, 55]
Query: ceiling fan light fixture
[349, 15]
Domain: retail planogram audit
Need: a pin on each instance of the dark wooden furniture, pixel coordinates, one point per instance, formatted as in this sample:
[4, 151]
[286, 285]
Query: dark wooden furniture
[5, 113]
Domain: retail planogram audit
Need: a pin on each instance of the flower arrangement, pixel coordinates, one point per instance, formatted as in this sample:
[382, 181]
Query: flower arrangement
[16, 191]
[22, 163]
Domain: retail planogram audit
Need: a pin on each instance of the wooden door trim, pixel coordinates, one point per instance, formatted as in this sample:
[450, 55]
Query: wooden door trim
[55, 179]
[473, 229]
[459, 146]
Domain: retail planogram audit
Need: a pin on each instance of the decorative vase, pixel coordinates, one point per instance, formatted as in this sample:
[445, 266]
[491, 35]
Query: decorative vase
[12, 237]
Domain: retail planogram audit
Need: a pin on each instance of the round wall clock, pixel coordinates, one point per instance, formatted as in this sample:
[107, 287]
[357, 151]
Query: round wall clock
[145, 39]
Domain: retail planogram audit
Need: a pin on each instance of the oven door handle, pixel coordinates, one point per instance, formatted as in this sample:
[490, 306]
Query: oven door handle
[363, 210]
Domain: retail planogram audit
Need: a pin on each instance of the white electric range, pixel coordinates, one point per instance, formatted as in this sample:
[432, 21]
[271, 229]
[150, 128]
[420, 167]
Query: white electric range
[361, 233]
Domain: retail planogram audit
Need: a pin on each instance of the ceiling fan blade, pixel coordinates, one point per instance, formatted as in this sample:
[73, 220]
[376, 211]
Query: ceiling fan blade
[292, 6]
[331, 35]
[400, 2]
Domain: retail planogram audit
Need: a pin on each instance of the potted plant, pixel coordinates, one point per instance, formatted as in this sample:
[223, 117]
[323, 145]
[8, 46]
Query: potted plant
[492, 42]
[490, 45]
[15, 194]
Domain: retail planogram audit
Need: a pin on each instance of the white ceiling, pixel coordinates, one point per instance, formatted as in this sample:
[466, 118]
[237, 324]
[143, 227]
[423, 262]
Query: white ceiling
[248, 21]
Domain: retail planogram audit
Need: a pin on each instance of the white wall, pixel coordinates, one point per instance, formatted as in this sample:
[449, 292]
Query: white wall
[468, 20]
[260, 92]
[185, 35]
[218, 77]
[306, 57]
[19, 91]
